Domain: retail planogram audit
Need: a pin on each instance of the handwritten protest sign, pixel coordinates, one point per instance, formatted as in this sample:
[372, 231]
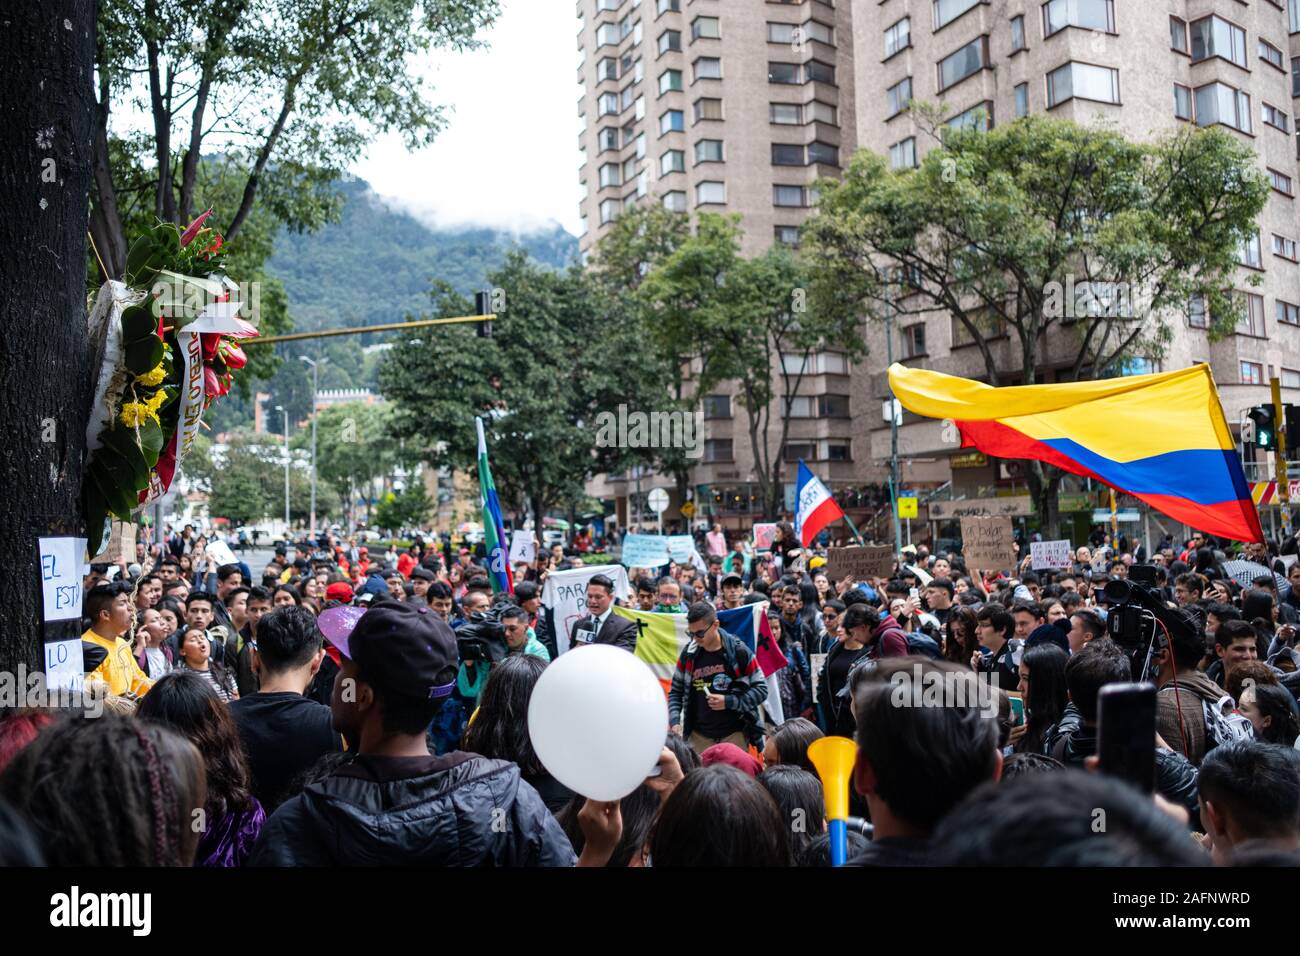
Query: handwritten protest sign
[523, 550]
[764, 534]
[565, 596]
[645, 551]
[862, 564]
[1050, 554]
[60, 566]
[987, 543]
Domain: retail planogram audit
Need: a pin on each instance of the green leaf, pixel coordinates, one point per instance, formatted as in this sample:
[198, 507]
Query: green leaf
[95, 509]
[151, 441]
[112, 476]
[121, 440]
[143, 355]
[138, 323]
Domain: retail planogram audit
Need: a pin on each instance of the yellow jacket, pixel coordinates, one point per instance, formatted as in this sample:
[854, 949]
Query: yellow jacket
[119, 670]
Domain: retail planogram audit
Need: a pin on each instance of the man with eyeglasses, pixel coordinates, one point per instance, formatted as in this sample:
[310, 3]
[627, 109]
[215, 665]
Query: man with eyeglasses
[717, 687]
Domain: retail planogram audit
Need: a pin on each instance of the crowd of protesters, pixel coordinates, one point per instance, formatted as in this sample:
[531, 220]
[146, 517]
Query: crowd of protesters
[239, 735]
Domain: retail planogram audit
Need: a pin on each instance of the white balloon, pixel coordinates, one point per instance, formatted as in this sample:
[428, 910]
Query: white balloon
[598, 719]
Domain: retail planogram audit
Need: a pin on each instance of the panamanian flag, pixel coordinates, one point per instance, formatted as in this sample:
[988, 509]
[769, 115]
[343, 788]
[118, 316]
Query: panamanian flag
[814, 506]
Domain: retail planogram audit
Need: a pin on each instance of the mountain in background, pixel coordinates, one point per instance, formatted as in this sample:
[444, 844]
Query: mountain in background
[376, 264]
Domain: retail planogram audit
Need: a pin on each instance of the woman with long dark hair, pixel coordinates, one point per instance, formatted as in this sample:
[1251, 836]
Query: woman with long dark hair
[720, 816]
[1042, 688]
[500, 727]
[186, 704]
[960, 642]
[1272, 711]
[789, 743]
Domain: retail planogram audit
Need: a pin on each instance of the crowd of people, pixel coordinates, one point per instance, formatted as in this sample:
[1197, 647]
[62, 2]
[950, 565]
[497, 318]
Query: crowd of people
[245, 726]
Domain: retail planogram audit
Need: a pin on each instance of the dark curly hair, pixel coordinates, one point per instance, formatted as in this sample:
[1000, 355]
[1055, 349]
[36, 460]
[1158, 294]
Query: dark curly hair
[501, 728]
[108, 791]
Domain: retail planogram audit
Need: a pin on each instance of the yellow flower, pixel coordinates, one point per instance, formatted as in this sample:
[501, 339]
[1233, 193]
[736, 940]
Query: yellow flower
[153, 376]
[155, 402]
[135, 414]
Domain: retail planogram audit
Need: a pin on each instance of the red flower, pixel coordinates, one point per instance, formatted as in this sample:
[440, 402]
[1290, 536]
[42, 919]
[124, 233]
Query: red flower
[213, 386]
[211, 343]
[234, 355]
[215, 244]
[193, 228]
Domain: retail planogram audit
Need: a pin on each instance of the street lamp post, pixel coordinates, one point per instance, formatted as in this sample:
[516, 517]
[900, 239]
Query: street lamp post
[315, 386]
[285, 412]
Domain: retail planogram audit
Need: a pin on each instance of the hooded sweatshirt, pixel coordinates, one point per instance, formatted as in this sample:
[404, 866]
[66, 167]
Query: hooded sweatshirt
[1193, 688]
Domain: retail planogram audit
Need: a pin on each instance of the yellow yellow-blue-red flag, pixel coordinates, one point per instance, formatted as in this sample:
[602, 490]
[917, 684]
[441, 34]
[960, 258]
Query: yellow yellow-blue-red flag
[1161, 438]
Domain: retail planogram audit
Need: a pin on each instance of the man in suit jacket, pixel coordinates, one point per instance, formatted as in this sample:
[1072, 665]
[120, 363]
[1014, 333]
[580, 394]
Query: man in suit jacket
[600, 625]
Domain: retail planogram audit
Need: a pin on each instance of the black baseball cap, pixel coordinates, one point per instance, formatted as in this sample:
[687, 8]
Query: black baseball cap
[423, 574]
[400, 649]
[735, 579]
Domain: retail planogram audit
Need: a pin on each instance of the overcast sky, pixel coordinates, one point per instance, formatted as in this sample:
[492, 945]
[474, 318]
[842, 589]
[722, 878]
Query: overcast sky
[508, 157]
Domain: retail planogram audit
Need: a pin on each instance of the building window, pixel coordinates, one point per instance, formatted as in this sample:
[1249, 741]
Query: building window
[607, 104]
[708, 68]
[821, 32]
[837, 451]
[1096, 15]
[1287, 313]
[663, 6]
[640, 146]
[832, 406]
[1022, 100]
[607, 33]
[902, 155]
[675, 201]
[707, 108]
[787, 155]
[609, 210]
[638, 108]
[801, 406]
[898, 37]
[1017, 34]
[783, 33]
[1271, 54]
[1295, 76]
[708, 151]
[815, 71]
[823, 154]
[794, 451]
[710, 192]
[610, 175]
[1252, 373]
[1082, 81]
[716, 406]
[705, 27]
[1219, 103]
[787, 235]
[990, 325]
[789, 196]
[718, 449]
[898, 96]
[967, 61]
[819, 112]
[673, 121]
[786, 73]
[1214, 36]
[607, 138]
[913, 340]
[786, 114]
[670, 81]
[673, 161]
[669, 40]
[978, 117]
[1252, 321]
[607, 69]
[1178, 35]
[629, 169]
[1290, 378]
[1281, 182]
[946, 11]
[1198, 316]
[1182, 101]
[1284, 247]
[1249, 254]
[1274, 117]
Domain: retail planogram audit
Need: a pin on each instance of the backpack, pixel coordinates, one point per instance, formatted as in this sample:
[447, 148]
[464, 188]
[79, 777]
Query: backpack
[918, 643]
[1224, 726]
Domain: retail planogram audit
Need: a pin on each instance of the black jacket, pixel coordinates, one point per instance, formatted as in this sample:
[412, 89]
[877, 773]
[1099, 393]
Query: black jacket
[456, 810]
[616, 630]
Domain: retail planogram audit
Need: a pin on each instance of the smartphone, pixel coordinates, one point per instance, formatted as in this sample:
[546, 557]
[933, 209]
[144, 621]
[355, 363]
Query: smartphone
[1017, 711]
[914, 592]
[1126, 733]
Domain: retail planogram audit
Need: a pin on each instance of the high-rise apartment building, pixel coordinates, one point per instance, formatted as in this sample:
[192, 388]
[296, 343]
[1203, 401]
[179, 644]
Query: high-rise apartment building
[734, 107]
[1142, 68]
[739, 105]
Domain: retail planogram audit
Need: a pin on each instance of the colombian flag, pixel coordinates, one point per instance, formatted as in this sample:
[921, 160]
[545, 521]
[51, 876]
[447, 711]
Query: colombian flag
[1161, 438]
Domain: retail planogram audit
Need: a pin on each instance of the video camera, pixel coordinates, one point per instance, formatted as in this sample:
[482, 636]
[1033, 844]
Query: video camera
[483, 638]
[1141, 617]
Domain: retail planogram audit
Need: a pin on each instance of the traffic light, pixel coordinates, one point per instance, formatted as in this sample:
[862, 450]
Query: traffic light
[1292, 413]
[483, 306]
[1265, 427]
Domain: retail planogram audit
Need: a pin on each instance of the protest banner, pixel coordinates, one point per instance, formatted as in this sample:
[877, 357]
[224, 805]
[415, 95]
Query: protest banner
[645, 551]
[60, 563]
[565, 596]
[860, 563]
[681, 548]
[1051, 555]
[987, 543]
[523, 549]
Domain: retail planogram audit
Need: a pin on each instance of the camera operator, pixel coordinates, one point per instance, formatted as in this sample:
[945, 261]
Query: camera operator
[1183, 692]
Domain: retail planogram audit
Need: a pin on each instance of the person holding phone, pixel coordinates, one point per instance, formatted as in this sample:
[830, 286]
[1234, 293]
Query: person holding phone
[717, 688]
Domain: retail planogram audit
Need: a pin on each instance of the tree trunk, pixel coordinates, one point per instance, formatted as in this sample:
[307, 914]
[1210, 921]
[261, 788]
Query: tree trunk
[47, 51]
[1044, 488]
